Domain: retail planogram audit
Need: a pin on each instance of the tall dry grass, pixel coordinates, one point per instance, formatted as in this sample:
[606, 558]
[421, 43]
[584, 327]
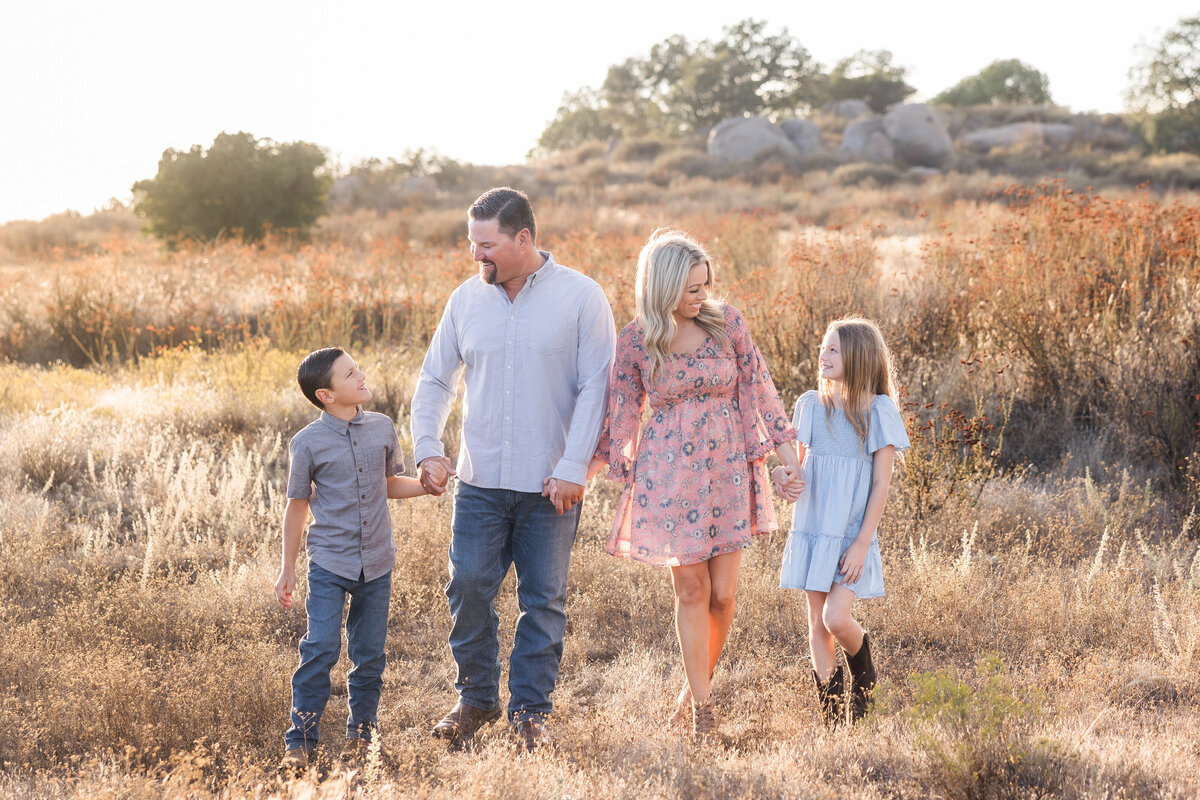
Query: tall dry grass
[1041, 632]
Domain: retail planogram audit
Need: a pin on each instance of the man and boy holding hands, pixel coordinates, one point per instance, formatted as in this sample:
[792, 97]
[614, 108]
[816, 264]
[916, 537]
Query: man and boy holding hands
[535, 340]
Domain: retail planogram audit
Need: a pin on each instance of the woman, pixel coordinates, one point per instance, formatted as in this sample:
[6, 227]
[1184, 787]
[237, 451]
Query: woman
[695, 488]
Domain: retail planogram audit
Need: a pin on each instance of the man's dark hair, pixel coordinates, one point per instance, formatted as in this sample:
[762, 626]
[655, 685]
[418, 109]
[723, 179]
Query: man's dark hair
[316, 372]
[509, 207]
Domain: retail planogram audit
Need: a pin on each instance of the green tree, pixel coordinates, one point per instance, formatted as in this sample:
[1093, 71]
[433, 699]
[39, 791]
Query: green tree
[682, 87]
[747, 72]
[581, 118]
[1007, 82]
[1165, 90]
[240, 186]
[870, 76]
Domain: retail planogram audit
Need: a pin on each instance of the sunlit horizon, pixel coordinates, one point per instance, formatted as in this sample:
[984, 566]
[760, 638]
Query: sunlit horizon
[105, 89]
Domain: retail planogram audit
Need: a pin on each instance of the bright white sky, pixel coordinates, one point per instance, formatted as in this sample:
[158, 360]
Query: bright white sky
[93, 92]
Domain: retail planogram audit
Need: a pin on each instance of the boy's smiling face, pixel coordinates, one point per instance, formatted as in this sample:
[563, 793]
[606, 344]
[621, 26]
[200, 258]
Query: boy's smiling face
[347, 385]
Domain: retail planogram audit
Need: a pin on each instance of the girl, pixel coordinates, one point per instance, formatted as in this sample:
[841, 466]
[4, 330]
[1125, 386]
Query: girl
[849, 431]
[695, 488]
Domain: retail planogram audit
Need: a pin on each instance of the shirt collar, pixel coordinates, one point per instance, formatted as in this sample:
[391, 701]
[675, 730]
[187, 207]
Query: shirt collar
[340, 426]
[544, 271]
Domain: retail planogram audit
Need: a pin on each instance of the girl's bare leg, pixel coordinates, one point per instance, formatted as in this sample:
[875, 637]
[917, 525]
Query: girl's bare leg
[838, 621]
[821, 640]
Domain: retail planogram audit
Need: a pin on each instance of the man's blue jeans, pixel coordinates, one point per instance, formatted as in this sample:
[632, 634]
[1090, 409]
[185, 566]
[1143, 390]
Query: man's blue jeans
[366, 631]
[495, 528]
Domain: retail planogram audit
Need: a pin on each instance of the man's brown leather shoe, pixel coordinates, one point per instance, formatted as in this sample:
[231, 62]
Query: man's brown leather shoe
[463, 721]
[530, 733]
[355, 751]
[297, 759]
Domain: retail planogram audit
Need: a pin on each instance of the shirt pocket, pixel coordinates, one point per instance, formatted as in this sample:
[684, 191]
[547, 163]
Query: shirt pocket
[549, 333]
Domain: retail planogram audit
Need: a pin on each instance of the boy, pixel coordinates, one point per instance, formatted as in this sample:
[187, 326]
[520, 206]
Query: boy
[352, 458]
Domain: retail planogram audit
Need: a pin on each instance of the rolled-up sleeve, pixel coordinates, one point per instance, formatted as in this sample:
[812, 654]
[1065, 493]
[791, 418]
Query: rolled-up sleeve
[436, 388]
[594, 356]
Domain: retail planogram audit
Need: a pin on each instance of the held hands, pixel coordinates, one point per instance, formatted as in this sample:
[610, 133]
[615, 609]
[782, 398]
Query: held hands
[434, 474]
[285, 584]
[563, 494]
[851, 564]
[788, 484]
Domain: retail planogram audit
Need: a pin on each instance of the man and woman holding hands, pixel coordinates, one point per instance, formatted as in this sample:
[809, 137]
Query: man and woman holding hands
[553, 394]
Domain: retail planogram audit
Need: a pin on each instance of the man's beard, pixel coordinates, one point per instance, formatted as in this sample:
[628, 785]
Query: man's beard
[488, 274]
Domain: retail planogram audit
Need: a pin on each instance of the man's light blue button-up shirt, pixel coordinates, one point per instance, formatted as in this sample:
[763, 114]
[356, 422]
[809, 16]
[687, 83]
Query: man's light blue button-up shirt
[537, 377]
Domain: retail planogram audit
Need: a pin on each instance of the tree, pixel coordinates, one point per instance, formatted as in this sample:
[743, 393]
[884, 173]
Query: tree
[1008, 82]
[682, 87]
[869, 75]
[746, 72]
[579, 119]
[240, 186]
[1165, 90]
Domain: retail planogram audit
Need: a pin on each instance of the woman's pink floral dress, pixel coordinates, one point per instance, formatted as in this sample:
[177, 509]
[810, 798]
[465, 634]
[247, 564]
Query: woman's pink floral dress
[695, 486]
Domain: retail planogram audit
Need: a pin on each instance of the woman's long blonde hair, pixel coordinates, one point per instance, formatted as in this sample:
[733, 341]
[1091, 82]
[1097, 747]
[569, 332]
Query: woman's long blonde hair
[662, 274]
[867, 371]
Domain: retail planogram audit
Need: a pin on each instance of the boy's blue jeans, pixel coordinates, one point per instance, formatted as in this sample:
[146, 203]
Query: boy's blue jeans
[366, 630]
[493, 529]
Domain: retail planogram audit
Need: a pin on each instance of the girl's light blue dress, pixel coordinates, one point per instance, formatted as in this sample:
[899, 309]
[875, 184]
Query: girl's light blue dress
[837, 474]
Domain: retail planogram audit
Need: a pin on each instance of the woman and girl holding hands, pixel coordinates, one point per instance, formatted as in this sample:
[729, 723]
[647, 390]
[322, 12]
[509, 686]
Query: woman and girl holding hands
[685, 419]
[695, 484]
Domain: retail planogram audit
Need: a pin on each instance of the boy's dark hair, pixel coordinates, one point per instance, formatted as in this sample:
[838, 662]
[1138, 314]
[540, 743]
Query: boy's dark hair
[316, 372]
[509, 207]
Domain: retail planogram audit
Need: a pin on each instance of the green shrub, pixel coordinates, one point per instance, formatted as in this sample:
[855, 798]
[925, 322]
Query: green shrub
[979, 736]
[240, 186]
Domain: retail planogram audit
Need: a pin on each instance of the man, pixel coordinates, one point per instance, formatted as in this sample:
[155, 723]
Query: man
[535, 340]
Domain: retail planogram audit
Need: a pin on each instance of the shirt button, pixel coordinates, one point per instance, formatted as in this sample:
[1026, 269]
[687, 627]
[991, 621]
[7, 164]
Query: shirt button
[360, 469]
[356, 444]
[364, 497]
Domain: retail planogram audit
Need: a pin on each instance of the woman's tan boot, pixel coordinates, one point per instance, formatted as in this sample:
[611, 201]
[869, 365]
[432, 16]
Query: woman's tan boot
[704, 719]
[682, 718]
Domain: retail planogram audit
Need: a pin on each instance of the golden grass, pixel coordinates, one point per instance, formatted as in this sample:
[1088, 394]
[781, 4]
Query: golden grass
[1051, 524]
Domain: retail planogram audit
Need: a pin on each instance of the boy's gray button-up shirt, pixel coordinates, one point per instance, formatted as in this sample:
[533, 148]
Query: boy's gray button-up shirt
[341, 467]
[536, 373]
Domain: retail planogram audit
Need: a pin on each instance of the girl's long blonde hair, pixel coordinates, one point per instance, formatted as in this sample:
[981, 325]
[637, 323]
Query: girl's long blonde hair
[867, 370]
[662, 274]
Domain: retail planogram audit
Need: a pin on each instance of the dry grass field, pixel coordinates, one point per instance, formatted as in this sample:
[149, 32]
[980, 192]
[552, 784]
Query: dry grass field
[1041, 633]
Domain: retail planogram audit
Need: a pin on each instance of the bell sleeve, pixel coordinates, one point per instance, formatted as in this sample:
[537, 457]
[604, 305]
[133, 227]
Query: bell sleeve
[764, 421]
[887, 428]
[626, 396]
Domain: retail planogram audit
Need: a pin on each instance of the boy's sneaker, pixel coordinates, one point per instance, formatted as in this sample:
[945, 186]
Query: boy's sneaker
[297, 759]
